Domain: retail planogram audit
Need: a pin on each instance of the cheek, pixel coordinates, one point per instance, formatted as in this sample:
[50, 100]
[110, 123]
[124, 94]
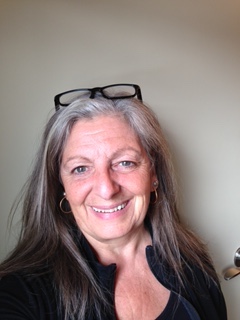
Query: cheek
[142, 184]
[75, 193]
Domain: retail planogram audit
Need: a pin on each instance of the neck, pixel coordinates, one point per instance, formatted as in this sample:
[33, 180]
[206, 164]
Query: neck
[125, 249]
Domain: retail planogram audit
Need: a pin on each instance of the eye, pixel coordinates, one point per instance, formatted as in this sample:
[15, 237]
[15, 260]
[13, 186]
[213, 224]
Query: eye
[80, 170]
[127, 163]
[125, 166]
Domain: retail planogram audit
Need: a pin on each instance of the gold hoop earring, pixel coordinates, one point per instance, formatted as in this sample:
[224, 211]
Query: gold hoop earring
[61, 205]
[156, 197]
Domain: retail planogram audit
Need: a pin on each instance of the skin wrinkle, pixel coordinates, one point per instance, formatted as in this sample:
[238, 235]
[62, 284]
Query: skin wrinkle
[106, 185]
[105, 168]
[175, 247]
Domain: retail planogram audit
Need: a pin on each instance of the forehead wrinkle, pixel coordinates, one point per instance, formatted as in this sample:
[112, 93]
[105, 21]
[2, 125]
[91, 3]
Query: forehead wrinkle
[95, 141]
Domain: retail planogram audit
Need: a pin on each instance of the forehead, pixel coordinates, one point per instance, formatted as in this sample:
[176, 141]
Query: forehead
[101, 130]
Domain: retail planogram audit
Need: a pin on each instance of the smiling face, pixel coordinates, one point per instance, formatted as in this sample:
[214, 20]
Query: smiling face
[107, 178]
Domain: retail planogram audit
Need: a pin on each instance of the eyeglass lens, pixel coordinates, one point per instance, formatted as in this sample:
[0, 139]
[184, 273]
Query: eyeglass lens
[118, 91]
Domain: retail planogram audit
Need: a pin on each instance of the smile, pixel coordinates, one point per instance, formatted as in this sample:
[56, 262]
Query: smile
[118, 208]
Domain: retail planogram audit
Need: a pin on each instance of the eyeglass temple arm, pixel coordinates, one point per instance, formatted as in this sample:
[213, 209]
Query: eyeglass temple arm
[139, 93]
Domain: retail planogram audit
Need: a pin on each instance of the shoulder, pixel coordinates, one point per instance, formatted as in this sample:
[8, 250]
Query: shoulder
[27, 297]
[202, 291]
[205, 293]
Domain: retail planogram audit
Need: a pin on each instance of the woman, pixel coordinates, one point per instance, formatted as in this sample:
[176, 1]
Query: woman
[101, 236]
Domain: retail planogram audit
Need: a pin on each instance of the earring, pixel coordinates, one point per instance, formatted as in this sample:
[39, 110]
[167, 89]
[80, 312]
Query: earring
[156, 197]
[62, 203]
[155, 184]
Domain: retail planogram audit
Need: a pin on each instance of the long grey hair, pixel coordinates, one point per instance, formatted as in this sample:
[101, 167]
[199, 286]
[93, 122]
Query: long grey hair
[47, 233]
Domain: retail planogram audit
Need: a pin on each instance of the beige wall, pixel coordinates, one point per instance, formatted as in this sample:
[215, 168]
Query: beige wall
[186, 57]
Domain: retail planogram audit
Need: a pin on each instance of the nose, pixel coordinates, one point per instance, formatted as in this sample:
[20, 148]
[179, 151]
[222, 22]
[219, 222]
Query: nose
[105, 184]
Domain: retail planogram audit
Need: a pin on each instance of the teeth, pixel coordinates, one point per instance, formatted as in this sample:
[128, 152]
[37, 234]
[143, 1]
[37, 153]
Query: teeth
[120, 207]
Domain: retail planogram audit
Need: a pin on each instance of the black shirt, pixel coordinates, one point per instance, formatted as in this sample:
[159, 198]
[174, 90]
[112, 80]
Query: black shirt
[33, 297]
[178, 308]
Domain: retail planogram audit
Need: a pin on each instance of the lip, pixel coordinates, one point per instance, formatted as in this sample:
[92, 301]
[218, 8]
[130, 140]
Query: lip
[110, 212]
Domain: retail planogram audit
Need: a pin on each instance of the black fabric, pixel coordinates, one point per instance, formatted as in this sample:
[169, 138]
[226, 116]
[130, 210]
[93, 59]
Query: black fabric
[178, 309]
[33, 297]
[207, 298]
[25, 297]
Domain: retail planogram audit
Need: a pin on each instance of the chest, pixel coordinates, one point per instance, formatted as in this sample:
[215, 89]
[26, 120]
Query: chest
[139, 296]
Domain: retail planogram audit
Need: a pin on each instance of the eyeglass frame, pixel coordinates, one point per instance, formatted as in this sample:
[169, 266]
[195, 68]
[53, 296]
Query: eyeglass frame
[93, 91]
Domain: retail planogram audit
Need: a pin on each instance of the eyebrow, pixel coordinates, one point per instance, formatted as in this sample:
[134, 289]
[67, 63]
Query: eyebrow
[119, 151]
[116, 154]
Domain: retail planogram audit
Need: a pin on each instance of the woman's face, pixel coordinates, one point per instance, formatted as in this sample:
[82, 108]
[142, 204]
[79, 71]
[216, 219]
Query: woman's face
[107, 178]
